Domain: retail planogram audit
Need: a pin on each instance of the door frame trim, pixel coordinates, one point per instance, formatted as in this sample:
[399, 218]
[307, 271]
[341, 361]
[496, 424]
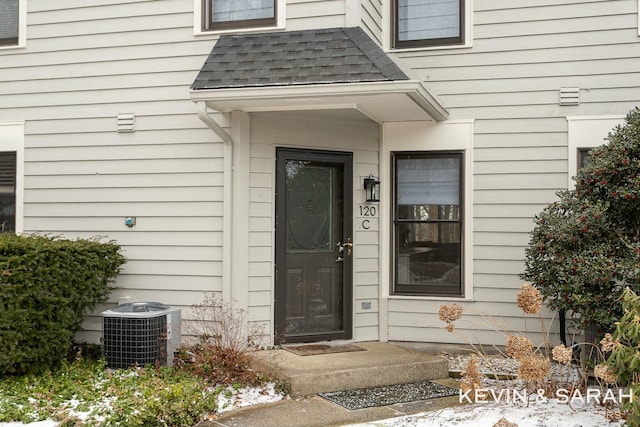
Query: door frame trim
[346, 158]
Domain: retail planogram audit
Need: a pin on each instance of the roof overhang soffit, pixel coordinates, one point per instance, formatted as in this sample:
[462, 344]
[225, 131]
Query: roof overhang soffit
[388, 101]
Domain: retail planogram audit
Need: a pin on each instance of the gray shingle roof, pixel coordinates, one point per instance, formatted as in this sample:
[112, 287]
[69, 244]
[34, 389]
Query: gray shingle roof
[324, 56]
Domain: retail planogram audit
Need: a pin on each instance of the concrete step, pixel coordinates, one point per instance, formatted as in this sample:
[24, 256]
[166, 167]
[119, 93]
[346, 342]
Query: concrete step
[379, 364]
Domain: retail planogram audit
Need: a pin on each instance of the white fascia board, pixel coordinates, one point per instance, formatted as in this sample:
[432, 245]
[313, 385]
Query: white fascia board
[369, 97]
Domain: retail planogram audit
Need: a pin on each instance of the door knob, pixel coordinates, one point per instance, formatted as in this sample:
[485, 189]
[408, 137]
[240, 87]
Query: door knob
[348, 245]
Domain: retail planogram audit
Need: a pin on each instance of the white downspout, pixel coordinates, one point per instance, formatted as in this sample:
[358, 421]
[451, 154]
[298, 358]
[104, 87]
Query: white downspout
[227, 215]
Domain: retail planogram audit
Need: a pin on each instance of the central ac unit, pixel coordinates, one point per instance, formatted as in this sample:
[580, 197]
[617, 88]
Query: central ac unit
[138, 334]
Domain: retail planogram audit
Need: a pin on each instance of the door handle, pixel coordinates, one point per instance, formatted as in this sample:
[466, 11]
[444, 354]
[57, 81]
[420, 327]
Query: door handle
[348, 245]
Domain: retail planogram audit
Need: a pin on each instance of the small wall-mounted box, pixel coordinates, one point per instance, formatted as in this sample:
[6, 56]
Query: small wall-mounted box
[124, 300]
[130, 221]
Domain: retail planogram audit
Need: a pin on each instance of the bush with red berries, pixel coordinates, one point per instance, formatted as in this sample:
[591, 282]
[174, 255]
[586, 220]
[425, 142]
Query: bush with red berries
[585, 247]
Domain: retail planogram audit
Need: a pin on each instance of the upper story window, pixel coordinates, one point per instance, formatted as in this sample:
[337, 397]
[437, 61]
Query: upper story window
[234, 14]
[9, 22]
[423, 23]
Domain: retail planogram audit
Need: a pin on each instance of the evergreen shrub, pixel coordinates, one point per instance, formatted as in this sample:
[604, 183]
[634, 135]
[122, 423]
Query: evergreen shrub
[585, 247]
[624, 359]
[47, 284]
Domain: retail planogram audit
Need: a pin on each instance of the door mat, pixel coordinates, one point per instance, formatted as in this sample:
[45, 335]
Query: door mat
[315, 349]
[388, 395]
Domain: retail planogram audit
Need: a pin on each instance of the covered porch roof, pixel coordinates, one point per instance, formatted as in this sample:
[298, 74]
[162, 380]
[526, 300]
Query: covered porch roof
[312, 70]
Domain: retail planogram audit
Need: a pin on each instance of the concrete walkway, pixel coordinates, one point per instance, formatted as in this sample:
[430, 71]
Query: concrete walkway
[379, 364]
[314, 411]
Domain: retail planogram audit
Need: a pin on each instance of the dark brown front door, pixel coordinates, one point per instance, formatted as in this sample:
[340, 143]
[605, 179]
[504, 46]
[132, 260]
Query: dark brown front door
[313, 245]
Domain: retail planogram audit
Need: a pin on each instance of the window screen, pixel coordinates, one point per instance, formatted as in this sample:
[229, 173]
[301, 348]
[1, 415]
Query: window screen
[428, 223]
[428, 22]
[8, 22]
[8, 192]
[225, 14]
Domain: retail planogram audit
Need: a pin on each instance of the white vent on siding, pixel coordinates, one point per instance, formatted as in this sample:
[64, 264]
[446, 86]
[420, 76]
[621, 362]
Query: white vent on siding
[569, 96]
[126, 122]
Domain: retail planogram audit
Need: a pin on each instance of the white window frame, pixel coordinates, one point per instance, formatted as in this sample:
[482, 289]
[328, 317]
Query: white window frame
[586, 132]
[22, 27]
[454, 135]
[389, 25]
[12, 139]
[199, 13]
[399, 222]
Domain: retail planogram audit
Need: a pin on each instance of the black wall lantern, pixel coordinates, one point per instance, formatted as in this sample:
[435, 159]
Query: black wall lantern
[372, 189]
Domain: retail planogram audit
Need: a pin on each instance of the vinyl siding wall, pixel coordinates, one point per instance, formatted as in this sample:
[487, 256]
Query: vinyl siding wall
[311, 14]
[523, 52]
[371, 19]
[86, 61]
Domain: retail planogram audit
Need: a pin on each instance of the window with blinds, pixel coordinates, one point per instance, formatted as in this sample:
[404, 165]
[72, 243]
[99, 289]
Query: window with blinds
[428, 22]
[8, 22]
[230, 14]
[428, 223]
[7, 192]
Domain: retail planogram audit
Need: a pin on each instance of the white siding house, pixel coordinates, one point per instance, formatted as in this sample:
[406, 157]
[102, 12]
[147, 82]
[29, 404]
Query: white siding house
[240, 138]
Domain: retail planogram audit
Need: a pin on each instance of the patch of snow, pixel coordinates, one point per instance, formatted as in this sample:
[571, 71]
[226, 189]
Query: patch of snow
[488, 364]
[231, 398]
[544, 412]
[228, 400]
[548, 414]
[45, 423]
[507, 369]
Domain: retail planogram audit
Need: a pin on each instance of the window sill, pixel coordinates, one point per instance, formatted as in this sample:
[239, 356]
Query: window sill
[428, 48]
[12, 47]
[428, 298]
[200, 32]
